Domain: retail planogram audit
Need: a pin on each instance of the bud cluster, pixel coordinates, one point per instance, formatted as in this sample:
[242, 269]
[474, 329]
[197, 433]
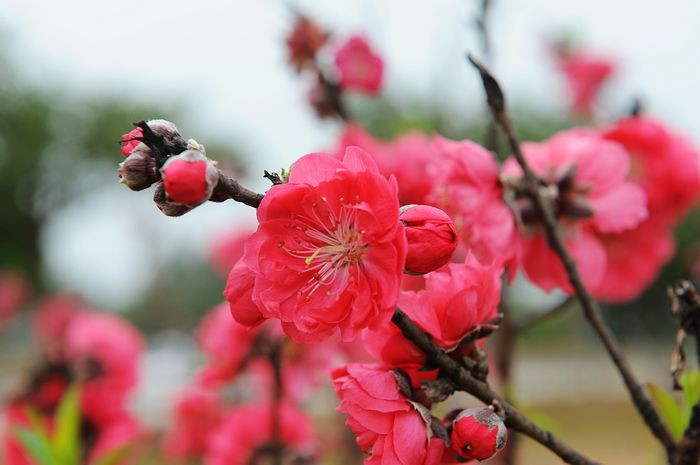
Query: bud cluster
[157, 154]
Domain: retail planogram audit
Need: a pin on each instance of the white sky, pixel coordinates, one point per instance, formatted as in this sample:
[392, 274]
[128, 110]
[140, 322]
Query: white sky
[226, 61]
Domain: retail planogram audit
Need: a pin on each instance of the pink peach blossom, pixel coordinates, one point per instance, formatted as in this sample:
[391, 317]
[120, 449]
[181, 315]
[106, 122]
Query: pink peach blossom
[467, 187]
[585, 74]
[225, 342]
[328, 253]
[359, 67]
[387, 425]
[588, 175]
[664, 164]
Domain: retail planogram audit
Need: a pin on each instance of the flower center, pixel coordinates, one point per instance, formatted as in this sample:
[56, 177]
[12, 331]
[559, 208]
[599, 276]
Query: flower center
[331, 246]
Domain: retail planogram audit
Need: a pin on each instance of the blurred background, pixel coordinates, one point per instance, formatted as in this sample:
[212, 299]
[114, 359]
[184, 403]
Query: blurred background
[74, 76]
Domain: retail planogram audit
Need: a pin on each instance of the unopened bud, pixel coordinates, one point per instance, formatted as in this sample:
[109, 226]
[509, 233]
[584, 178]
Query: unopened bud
[171, 142]
[189, 178]
[478, 433]
[431, 237]
[138, 171]
[164, 205]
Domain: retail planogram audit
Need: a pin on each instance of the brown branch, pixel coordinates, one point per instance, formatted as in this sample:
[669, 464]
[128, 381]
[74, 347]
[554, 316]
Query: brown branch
[590, 307]
[463, 380]
[229, 188]
[479, 332]
[685, 306]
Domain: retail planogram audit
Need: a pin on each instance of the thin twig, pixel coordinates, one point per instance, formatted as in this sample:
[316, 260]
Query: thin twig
[479, 332]
[229, 188]
[590, 307]
[482, 391]
[685, 306]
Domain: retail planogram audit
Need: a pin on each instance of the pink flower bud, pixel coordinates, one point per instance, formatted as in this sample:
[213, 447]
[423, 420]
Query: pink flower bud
[138, 171]
[478, 433]
[431, 237]
[359, 68]
[189, 178]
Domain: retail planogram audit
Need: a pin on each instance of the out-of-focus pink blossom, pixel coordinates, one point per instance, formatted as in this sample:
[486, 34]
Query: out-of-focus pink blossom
[634, 259]
[328, 253]
[105, 350]
[467, 187]
[587, 174]
[406, 157]
[664, 164]
[226, 249]
[359, 67]
[14, 290]
[585, 74]
[245, 429]
[197, 412]
[431, 236]
[387, 425]
[226, 344]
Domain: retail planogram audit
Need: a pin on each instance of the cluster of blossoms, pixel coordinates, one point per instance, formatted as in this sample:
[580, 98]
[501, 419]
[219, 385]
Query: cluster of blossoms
[357, 68]
[99, 352]
[334, 254]
[422, 223]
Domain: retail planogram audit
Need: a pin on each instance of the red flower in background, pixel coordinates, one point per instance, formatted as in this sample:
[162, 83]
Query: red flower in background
[406, 157]
[197, 413]
[246, 429]
[359, 68]
[585, 75]
[106, 350]
[328, 253]
[387, 425]
[225, 342]
[588, 176]
[634, 259]
[466, 185]
[664, 164]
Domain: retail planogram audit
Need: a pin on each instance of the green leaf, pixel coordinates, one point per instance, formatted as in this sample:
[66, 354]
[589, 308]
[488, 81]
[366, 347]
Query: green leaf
[36, 446]
[690, 380]
[66, 442]
[36, 422]
[668, 408]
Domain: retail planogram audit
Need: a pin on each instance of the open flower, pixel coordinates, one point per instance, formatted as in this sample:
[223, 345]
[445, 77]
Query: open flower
[358, 66]
[467, 186]
[386, 423]
[328, 253]
[586, 179]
